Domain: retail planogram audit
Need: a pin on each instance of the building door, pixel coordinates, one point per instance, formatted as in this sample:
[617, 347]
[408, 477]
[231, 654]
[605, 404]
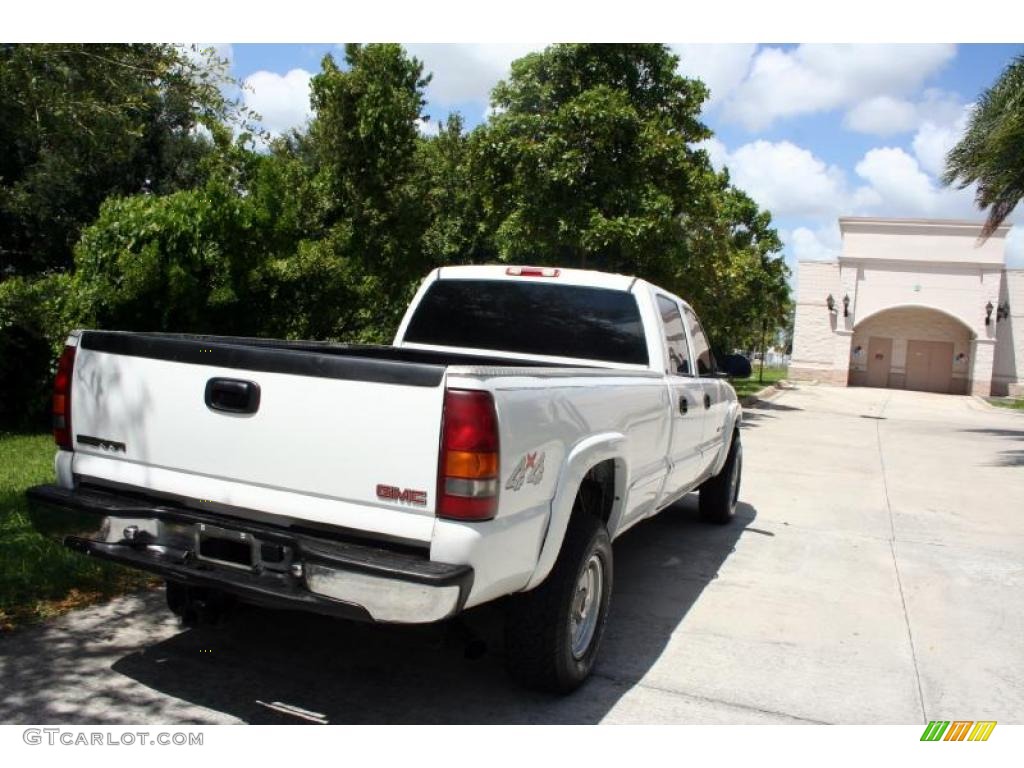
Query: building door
[930, 366]
[879, 361]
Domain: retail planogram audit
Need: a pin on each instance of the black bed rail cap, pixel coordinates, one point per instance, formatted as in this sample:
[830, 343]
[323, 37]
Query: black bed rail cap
[316, 359]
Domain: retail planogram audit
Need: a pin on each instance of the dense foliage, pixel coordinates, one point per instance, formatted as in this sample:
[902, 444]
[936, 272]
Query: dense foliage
[991, 152]
[122, 213]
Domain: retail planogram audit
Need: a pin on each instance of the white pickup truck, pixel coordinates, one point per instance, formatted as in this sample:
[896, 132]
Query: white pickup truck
[523, 419]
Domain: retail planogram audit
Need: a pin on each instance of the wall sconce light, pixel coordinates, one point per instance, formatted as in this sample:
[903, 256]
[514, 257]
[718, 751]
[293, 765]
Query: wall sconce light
[857, 350]
[988, 313]
[961, 358]
[846, 305]
[1003, 311]
[830, 303]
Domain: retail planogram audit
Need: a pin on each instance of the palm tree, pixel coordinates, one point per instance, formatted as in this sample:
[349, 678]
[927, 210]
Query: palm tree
[991, 151]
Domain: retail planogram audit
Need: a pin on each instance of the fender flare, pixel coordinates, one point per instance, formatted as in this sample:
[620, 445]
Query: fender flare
[583, 457]
[733, 420]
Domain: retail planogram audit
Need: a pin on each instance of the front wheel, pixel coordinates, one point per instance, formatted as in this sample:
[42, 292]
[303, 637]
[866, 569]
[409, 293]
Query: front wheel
[552, 633]
[718, 496]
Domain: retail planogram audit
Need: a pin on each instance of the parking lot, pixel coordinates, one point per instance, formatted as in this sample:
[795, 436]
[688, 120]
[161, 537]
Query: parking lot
[874, 575]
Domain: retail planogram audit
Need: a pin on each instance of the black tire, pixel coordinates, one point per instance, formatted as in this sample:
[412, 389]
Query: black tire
[718, 496]
[539, 627]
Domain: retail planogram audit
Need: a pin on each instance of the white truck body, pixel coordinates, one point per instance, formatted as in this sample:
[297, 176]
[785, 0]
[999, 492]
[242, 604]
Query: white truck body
[325, 440]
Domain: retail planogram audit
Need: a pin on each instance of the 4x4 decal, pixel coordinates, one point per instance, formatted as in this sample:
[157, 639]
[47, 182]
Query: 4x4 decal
[530, 469]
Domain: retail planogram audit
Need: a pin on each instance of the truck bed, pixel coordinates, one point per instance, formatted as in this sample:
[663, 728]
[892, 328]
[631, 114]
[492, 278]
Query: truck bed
[332, 422]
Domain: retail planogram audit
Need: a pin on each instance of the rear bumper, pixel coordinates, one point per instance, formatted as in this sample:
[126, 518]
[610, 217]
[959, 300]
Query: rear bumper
[282, 568]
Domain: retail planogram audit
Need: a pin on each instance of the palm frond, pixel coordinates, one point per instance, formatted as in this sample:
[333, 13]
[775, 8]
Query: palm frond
[991, 152]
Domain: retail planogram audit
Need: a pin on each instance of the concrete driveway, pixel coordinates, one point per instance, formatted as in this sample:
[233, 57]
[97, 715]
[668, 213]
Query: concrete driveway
[875, 574]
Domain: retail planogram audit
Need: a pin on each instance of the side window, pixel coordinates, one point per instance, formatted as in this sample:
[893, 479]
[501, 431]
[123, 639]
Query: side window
[701, 348]
[675, 337]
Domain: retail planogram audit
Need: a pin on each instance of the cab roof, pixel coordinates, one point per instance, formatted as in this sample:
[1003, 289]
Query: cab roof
[586, 277]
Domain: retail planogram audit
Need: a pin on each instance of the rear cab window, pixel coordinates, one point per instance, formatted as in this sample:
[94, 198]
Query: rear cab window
[531, 318]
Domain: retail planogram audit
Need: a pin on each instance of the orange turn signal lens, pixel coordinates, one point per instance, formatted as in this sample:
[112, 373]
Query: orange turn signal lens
[470, 464]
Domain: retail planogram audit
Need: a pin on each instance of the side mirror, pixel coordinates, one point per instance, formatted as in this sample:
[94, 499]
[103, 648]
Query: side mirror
[735, 366]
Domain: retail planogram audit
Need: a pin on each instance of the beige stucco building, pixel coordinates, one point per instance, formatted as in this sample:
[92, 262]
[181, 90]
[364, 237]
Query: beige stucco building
[916, 304]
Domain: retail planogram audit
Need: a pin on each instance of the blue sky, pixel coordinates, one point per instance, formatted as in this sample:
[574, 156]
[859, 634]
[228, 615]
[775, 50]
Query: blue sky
[812, 132]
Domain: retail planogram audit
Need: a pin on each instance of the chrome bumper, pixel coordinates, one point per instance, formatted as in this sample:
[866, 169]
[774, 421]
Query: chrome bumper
[263, 564]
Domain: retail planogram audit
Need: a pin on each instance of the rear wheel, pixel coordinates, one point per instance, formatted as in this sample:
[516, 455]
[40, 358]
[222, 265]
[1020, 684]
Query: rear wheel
[718, 496]
[553, 632]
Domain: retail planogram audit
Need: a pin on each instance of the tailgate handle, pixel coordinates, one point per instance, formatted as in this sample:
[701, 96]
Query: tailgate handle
[232, 395]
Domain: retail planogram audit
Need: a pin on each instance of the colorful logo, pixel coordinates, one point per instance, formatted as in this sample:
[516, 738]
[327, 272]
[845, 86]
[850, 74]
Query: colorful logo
[958, 730]
[530, 469]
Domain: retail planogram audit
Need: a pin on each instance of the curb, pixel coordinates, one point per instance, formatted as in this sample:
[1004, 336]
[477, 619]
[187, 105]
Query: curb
[767, 393]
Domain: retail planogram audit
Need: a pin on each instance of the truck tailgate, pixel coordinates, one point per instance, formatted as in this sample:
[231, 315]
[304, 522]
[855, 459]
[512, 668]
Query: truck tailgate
[328, 429]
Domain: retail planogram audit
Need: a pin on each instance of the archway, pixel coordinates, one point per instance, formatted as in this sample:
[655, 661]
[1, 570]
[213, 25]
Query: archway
[912, 347]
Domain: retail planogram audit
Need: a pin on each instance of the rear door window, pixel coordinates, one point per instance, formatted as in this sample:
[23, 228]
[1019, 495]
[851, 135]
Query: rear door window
[701, 347]
[678, 350]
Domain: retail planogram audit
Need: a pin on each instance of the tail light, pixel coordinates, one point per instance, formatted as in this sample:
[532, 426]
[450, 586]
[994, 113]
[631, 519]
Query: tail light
[62, 400]
[467, 483]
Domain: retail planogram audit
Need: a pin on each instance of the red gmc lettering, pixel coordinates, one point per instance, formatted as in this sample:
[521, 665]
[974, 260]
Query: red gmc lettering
[402, 496]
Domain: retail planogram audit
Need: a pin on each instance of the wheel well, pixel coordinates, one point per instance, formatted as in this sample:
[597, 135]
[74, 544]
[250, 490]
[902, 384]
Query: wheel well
[596, 495]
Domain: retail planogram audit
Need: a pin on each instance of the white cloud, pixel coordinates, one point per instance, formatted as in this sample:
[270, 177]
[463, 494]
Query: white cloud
[936, 137]
[786, 179]
[718, 153]
[815, 78]
[790, 181]
[281, 100]
[465, 72]
[901, 187]
[428, 127]
[882, 116]
[821, 244]
[721, 66]
[888, 115]
[898, 181]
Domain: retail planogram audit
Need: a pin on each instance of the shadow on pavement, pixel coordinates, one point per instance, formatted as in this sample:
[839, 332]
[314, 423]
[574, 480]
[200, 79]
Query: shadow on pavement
[275, 667]
[1009, 458]
[760, 410]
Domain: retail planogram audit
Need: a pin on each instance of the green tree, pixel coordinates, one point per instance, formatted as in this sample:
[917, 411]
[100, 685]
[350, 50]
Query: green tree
[79, 123]
[591, 160]
[730, 270]
[450, 194]
[588, 160]
[363, 141]
[991, 152]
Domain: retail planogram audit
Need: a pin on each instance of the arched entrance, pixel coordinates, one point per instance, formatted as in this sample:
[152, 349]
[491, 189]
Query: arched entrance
[911, 347]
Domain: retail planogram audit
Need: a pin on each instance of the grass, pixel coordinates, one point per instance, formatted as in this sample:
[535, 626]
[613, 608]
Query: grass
[751, 385]
[39, 578]
[1008, 402]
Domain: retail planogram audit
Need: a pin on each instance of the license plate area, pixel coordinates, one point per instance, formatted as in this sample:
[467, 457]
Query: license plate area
[235, 549]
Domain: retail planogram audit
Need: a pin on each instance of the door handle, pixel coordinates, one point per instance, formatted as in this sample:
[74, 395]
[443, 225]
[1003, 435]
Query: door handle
[232, 395]
[707, 400]
[684, 404]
